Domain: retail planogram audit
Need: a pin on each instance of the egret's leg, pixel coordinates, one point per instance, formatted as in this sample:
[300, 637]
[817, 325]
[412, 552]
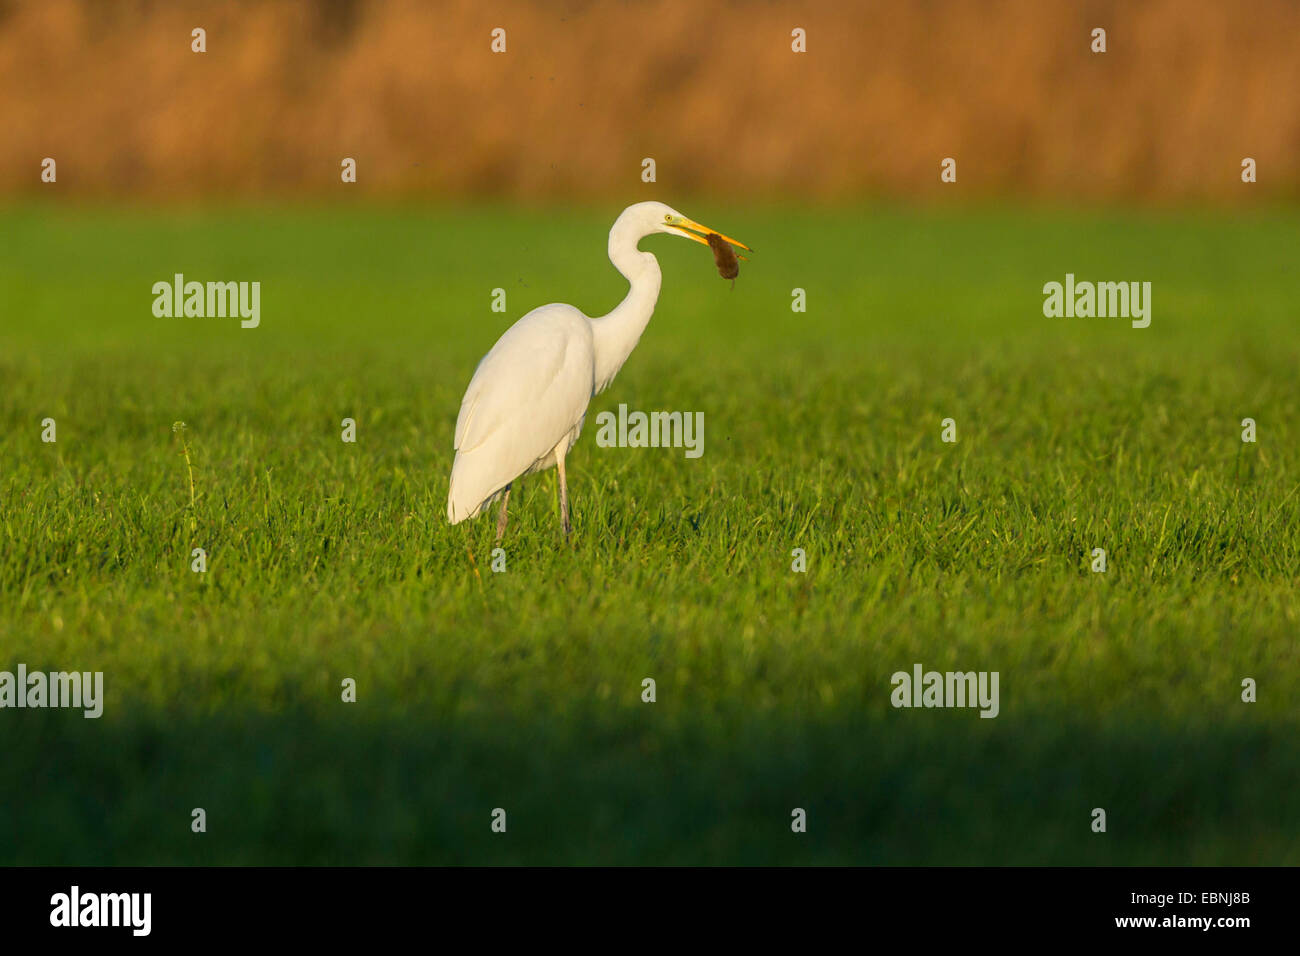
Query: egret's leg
[501, 519]
[564, 492]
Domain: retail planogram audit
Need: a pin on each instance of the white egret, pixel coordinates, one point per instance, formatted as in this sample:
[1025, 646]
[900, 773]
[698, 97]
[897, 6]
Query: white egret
[526, 403]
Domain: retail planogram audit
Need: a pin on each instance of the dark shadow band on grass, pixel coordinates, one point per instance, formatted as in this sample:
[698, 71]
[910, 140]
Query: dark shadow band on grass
[925, 788]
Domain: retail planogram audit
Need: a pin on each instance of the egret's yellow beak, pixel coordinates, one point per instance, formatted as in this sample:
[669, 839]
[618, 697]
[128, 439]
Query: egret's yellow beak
[691, 229]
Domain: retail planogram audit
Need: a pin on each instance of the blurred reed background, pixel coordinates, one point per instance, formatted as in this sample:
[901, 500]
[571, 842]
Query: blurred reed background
[710, 89]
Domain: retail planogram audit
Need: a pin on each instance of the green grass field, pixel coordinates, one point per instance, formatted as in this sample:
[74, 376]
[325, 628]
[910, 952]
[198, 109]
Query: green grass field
[522, 690]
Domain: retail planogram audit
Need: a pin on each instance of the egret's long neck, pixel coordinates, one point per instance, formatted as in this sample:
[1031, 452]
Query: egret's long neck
[617, 334]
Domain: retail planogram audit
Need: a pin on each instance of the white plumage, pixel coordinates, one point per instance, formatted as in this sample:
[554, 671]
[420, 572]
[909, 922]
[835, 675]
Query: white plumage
[525, 405]
[528, 397]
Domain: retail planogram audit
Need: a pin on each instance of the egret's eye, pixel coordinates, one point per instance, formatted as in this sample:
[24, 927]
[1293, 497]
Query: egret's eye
[668, 217]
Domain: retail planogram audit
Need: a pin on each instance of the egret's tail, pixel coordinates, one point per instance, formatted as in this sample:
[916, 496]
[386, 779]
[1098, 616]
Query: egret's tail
[459, 508]
[468, 495]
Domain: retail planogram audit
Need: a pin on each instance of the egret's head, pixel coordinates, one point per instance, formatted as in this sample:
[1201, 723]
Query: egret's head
[647, 218]
[669, 220]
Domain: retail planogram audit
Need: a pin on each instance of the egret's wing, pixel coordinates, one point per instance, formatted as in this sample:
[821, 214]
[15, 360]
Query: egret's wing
[529, 391]
[538, 373]
[518, 368]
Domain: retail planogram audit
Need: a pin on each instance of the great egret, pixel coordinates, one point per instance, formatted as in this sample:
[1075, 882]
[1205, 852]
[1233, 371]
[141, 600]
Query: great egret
[526, 403]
